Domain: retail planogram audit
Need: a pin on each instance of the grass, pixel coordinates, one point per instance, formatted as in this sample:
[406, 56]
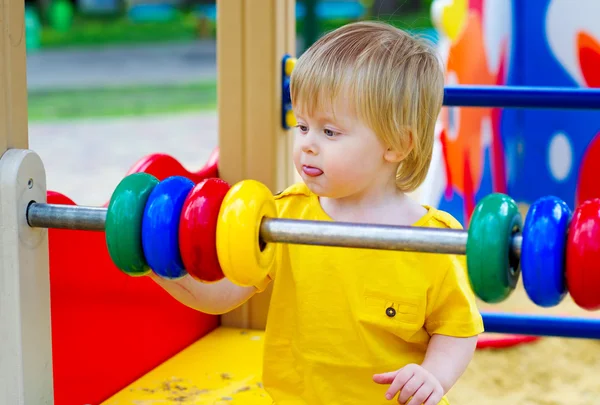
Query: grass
[119, 102]
[119, 30]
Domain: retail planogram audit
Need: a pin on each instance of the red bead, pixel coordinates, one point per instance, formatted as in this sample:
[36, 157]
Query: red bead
[583, 255]
[198, 229]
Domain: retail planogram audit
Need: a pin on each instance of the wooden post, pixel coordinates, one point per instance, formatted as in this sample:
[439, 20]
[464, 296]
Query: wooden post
[25, 336]
[13, 83]
[252, 38]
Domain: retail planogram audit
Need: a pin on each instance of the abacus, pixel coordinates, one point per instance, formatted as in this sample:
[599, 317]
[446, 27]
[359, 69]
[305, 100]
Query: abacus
[211, 230]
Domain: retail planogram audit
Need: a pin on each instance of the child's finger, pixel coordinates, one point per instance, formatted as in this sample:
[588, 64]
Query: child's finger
[402, 376]
[385, 378]
[422, 394]
[409, 389]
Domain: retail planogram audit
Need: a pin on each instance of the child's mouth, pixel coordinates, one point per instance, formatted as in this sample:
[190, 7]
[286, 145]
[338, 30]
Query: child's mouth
[311, 171]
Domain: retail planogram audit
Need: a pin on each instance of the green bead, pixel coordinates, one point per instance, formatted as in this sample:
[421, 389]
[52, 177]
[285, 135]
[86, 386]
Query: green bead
[493, 268]
[124, 223]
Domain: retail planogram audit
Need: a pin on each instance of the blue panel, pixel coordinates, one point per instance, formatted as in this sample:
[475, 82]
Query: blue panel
[454, 206]
[486, 185]
[528, 134]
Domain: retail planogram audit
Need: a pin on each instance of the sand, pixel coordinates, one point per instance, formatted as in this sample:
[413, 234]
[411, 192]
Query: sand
[545, 372]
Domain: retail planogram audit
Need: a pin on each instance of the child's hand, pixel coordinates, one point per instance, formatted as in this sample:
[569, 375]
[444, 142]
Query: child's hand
[412, 381]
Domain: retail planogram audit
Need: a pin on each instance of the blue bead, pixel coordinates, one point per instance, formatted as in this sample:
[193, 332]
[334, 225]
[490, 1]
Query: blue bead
[160, 226]
[543, 251]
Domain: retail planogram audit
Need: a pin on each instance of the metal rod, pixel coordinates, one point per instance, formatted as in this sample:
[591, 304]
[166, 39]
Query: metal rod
[382, 237]
[60, 216]
[535, 325]
[293, 231]
[522, 97]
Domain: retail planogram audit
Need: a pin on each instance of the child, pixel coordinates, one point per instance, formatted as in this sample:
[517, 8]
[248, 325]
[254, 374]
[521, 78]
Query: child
[359, 326]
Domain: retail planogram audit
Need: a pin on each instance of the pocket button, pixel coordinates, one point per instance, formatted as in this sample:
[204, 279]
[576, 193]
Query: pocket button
[391, 312]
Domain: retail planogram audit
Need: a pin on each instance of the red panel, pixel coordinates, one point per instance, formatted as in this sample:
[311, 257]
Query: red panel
[493, 341]
[109, 329]
[588, 186]
[589, 58]
[162, 166]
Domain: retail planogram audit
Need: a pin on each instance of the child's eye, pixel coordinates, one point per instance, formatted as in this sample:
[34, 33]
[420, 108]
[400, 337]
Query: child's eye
[302, 128]
[329, 132]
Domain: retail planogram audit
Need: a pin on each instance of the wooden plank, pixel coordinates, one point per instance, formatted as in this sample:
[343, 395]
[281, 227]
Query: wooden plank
[230, 89]
[259, 33]
[25, 337]
[231, 104]
[224, 367]
[278, 167]
[13, 82]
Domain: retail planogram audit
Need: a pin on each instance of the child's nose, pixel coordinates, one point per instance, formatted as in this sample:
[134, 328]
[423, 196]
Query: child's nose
[309, 145]
[310, 148]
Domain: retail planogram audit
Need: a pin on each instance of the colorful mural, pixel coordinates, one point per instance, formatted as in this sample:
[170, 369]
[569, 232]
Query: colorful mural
[524, 153]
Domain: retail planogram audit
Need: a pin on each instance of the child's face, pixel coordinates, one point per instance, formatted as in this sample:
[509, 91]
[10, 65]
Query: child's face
[338, 156]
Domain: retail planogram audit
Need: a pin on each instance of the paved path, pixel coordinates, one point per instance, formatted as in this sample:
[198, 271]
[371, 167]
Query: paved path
[85, 160]
[122, 65]
[146, 64]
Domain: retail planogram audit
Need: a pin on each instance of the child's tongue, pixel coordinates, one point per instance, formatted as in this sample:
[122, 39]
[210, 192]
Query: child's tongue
[312, 171]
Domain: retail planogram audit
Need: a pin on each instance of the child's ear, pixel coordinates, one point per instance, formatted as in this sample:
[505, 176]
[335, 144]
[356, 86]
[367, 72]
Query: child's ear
[397, 155]
[393, 155]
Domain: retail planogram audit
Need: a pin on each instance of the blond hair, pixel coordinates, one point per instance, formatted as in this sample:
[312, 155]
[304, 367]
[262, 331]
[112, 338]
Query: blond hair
[394, 80]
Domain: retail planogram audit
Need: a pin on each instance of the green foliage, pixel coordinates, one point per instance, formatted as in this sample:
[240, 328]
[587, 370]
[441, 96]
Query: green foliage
[122, 101]
[91, 31]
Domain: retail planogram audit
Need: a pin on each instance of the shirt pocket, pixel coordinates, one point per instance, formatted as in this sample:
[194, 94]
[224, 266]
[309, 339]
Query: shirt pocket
[402, 314]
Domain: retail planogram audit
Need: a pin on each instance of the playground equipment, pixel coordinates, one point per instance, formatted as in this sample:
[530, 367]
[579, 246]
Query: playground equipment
[121, 327]
[495, 232]
[524, 152]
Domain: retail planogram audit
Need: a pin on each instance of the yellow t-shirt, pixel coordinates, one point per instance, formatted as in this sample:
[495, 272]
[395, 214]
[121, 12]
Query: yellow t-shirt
[339, 315]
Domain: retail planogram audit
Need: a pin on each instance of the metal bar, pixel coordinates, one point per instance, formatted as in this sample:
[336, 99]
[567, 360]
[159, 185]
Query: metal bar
[522, 97]
[382, 237]
[367, 236]
[293, 231]
[535, 325]
[60, 216]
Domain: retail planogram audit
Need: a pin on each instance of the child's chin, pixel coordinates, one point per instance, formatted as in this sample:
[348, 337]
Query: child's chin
[319, 189]
[313, 186]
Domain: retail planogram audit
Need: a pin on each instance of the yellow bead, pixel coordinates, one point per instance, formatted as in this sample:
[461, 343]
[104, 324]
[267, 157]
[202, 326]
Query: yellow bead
[290, 119]
[238, 231]
[290, 63]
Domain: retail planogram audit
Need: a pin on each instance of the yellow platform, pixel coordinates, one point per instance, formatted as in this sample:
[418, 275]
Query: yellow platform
[223, 367]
